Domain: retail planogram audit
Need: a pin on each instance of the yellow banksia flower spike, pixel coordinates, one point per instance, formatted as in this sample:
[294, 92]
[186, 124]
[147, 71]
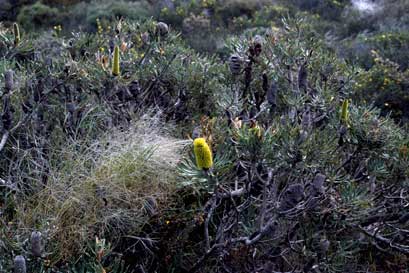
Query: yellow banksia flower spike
[115, 64]
[16, 31]
[203, 154]
[344, 111]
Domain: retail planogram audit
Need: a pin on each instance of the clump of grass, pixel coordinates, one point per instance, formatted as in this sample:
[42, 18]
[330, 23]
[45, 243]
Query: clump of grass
[103, 190]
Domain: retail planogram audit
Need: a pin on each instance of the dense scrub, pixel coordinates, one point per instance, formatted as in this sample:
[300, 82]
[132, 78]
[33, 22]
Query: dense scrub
[98, 173]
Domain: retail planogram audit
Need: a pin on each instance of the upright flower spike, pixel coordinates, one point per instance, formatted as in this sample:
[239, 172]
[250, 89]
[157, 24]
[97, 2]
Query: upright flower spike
[36, 247]
[344, 111]
[162, 29]
[20, 264]
[16, 31]
[9, 80]
[203, 154]
[115, 64]
[235, 64]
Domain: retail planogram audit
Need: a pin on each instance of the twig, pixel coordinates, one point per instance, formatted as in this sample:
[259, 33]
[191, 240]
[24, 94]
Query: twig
[265, 196]
[4, 140]
[397, 247]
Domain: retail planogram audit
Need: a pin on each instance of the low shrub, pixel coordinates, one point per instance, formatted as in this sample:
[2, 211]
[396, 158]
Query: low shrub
[39, 15]
[386, 86]
[109, 11]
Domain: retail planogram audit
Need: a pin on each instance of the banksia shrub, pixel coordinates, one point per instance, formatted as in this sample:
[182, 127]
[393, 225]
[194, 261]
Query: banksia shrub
[20, 264]
[35, 240]
[16, 31]
[203, 154]
[115, 63]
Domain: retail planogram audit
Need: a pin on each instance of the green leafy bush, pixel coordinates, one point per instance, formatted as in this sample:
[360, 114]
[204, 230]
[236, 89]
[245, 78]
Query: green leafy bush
[328, 9]
[295, 176]
[67, 85]
[109, 11]
[234, 8]
[10, 8]
[39, 15]
[385, 85]
[390, 45]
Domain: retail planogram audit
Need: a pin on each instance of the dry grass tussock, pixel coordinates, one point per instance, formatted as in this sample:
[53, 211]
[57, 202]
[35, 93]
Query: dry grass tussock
[109, 190]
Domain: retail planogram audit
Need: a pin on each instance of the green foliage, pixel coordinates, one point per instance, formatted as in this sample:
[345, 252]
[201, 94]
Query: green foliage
[390, 45]
[59, 3]
[301, 136]
[67, 85]
[328, 9]
[234, 8]
[384, 84]
[38, 15]
[108, 11]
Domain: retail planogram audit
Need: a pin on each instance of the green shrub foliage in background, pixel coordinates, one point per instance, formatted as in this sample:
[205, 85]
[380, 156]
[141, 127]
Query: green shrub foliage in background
[38, 15]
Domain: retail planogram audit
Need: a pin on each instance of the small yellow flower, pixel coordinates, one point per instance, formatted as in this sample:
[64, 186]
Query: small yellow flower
[47, 263]
[203, 154]
[237, 123]
[124, 46]
[104, 62]
[161, 51]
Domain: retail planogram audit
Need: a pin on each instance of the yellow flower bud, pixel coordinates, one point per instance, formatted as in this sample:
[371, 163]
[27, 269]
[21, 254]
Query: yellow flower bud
[115, 64]
[203, 154]
[16, 31]
[344, 111]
